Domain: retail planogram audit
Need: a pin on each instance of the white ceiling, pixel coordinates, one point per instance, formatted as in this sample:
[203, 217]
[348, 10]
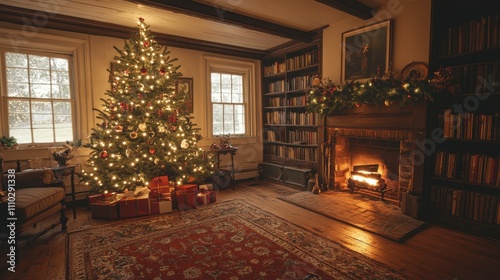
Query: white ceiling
[305, 15]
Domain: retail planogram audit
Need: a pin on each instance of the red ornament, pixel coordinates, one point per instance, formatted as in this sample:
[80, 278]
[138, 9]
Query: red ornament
[162, 71]
[145, 44]
[139, 95]
[409, 96]
[160, 113]
[144, 71]
[141, 19]
[103, 154]
[356, 104]
[152, 151]
[149, 104]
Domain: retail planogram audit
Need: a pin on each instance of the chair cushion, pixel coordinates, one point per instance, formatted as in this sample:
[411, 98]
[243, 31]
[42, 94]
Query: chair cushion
[31, 201]
[34, 178]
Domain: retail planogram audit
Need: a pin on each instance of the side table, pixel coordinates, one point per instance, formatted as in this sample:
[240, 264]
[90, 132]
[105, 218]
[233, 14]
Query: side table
[223, 151]
[62, 171]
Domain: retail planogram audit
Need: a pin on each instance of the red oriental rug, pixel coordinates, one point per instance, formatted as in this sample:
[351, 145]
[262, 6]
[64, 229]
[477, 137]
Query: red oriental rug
[228, 240]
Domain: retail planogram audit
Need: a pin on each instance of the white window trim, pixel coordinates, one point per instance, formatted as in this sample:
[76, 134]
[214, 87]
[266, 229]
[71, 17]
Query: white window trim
[248, 70]
[76, 46]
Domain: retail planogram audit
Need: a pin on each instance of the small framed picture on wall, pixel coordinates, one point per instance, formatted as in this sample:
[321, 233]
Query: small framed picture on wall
[186, 85]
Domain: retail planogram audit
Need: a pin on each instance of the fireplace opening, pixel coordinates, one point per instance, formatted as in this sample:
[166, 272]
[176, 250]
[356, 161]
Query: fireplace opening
[383, 165]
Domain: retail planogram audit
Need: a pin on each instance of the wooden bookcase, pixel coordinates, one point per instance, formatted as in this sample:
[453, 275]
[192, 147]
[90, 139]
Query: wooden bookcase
[290, 133]
[463, 182]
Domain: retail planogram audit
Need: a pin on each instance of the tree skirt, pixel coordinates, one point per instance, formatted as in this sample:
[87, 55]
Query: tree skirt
[228, 240]
[357, 210]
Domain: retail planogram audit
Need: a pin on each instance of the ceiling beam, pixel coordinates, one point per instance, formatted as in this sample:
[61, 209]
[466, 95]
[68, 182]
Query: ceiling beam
[351, 7]
[218, 14]
[19, 16]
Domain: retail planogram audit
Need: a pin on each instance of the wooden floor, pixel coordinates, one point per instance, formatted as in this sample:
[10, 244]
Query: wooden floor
[433, 253]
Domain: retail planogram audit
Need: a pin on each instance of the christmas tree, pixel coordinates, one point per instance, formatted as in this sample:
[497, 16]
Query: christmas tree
[146, 130]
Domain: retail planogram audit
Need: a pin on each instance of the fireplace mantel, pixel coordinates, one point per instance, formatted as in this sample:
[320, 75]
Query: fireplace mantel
[411, 117]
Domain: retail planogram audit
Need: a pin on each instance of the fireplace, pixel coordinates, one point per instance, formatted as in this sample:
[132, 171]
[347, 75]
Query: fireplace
[378, 142]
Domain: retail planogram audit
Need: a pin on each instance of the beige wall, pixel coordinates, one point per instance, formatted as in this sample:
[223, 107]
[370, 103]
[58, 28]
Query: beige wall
[410, 37]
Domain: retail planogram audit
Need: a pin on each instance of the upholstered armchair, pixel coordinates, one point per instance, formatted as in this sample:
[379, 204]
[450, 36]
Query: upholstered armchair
[38, 195]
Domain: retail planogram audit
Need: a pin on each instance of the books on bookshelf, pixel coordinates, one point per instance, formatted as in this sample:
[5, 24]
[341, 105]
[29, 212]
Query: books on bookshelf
[470, 126]
[303, 137]
[466, 204]
[293, 63]
[301, 118]
[476, 77]
[296, 153]
[468, 167]
[473, 35]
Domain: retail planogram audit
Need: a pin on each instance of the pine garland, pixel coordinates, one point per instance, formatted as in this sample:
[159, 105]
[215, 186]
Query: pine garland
[326, 98]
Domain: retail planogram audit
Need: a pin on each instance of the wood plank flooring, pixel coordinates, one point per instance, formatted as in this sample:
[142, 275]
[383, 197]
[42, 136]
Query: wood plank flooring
[433, 253]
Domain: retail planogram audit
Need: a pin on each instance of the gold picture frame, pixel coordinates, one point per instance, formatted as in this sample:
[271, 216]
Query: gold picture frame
[186, 85]
[365, 51]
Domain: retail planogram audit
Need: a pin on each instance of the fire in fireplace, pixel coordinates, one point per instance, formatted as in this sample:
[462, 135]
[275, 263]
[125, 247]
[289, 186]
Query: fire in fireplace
[367, 177]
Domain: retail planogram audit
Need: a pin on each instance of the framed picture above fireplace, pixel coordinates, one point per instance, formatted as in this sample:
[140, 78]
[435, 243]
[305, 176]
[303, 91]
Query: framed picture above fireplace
[365, 50]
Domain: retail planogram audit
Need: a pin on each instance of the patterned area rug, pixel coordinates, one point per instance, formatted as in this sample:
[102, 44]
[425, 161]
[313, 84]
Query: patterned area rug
[363, 212]
[225, 240]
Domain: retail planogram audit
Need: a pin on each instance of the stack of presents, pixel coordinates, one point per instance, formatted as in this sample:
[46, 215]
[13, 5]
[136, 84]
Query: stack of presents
[157, 198]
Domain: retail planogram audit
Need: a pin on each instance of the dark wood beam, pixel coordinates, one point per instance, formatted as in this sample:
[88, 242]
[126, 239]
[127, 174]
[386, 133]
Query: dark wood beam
[24, 18]
[218, 14]
[351, 7]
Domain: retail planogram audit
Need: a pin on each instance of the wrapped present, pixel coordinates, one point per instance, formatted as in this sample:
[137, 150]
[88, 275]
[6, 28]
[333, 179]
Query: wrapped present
[92, 198]
[185, 200]
[205, 197]
[188, 188]
[104, 210]
[160, 206]
[206, 187]
[159, 192]
[134, 206]
[160, 181]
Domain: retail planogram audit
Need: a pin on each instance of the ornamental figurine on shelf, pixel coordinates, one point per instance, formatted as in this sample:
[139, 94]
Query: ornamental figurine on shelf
[225, 141]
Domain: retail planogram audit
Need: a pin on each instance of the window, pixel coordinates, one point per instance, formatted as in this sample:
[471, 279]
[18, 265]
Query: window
[228, 108]
[38, 96]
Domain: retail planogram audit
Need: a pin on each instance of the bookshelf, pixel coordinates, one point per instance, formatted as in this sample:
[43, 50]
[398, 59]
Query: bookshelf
[290, 132]
[464, 168]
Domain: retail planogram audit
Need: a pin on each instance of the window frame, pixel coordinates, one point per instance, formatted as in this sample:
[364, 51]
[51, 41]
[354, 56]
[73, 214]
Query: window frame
[5, 98]
[245, 68]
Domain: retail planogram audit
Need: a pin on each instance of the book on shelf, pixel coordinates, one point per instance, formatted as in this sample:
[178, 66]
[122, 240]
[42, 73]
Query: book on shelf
[469, 205]
[470, 126]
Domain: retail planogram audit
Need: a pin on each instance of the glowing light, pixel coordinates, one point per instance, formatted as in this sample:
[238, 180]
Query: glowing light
[370, 181]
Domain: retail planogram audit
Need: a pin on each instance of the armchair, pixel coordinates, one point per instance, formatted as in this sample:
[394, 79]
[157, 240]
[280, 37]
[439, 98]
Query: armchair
[38, 195]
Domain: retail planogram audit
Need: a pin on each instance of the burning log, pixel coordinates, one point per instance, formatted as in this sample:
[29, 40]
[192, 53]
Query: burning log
[366, 177]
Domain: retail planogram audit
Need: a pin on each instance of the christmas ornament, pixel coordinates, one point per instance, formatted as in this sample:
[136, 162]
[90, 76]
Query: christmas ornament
[143, 126]
[127, 152]
[139, 95]
[144, 71]
[162, 71]
[184, 144]
[103, 154]
[145, 44]
[152, 151]
[173, 128]
[387, 102]
[141, 19]
[118, 128]
[156, 161]
[161, 129]
[133, 135]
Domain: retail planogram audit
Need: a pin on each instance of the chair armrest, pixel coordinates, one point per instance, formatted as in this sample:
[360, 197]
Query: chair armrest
[35, 178]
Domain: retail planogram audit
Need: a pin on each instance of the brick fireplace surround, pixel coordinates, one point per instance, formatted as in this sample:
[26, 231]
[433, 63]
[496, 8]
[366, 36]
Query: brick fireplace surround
[387, 136]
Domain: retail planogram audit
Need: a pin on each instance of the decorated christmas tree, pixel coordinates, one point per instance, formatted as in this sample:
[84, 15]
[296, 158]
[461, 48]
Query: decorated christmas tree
[145, 129]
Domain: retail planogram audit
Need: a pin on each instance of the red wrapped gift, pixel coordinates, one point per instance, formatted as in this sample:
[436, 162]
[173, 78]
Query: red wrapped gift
[91, 198]
[160, 206]
[205, 197]
[185, 200]
[134, 207]
[188, 188]
[104, 210]
[159, 192]
[156, 182]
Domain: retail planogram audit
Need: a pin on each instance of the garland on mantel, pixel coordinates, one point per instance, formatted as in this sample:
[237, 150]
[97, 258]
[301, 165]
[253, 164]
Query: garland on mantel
[326, 98]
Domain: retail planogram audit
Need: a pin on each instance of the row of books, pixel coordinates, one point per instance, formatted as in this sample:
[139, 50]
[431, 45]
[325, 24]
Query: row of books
[293, 63]
[300, 153]
[275, 117]
[282, 101]
[274, 136]
[294, 137]
[301, 136]
[473, 206]
[276, 101]
[303, 60]
[468, 167]
[277, 86]
[297, 118]
[476, 78]
[470, 126]
[299, 83]
[474, 35]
